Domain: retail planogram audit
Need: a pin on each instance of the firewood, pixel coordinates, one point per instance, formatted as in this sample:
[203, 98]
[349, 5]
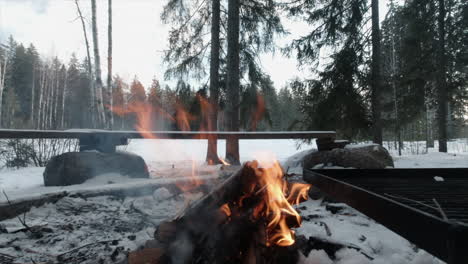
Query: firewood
[230, 190]
[147, 256]
[221, 227]
[166, 231]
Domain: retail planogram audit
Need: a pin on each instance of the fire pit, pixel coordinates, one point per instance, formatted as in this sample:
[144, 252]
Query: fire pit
[246, 219]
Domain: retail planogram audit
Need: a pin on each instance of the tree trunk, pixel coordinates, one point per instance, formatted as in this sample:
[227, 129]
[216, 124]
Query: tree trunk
[56, 98]
[233, 81]
[2, 83]
[376, 76]
[212, 151]
[62, 115]
[441, 81]
[97, 66]
[92, 105]
[33, 87]
[110, 116]
[39, 101]
[395, 96]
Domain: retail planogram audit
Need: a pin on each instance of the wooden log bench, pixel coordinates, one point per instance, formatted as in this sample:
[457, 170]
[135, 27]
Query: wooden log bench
[107, 141]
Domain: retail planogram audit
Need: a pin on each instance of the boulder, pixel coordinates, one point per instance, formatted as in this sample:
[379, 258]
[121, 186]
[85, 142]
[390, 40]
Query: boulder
[77, 167]
[353, 156]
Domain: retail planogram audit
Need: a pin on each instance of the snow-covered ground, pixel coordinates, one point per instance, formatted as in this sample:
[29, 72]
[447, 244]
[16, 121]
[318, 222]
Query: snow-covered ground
[164, 155]
[169, 160]
[350, 227]
[165, 158]
[94, 230]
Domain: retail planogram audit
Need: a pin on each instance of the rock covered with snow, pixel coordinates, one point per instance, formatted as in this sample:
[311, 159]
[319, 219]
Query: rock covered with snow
[355, 156]
[77, 167]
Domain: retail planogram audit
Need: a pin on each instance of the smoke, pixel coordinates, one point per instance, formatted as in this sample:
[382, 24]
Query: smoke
[181, 249]
[39, 6]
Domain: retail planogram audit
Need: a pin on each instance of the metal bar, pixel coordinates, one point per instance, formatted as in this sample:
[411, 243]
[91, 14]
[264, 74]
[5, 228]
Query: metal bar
[430, 233]
[396, 173]
[22, 134]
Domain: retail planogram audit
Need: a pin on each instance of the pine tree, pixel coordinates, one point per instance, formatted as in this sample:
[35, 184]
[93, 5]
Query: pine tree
[259, 22]
[233, 80]
[376, 81]
[118, 101]
[212, 150]
[441, 79]
[137, 92]
[155, 101]
[335, 100]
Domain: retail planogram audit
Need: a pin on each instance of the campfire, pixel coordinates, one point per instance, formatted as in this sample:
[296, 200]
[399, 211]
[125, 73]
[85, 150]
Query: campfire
[249, 218]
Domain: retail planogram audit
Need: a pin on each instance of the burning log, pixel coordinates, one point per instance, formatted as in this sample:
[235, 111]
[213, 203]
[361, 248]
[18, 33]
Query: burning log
[245, 219]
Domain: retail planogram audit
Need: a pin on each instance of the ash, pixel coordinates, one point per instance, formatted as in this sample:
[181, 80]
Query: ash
[94, 230]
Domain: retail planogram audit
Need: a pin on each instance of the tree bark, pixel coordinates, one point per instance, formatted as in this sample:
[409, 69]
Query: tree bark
[233, 81]
[441, 81]
[110, 93]
[62, 115]
[212, 151]
[97, 66]
[376, 76]
[2, 83]
[92, 105]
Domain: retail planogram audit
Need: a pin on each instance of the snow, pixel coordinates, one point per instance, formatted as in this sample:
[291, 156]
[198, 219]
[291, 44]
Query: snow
[432, 160]
[165, 159]
[108, 218]
[75, 222]
[349, 226]
[439, 179]
[316, 257]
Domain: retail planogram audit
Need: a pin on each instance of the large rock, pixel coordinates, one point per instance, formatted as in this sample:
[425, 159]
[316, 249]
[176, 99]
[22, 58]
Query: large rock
[359, 157]
[77, 167]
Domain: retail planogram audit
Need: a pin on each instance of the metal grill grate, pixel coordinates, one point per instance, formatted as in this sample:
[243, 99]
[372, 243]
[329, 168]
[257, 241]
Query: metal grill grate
[407, 201]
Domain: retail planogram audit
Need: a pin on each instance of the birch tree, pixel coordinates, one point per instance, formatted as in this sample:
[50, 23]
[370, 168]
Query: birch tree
[110, 116]
[3, 67]
[92, 102]
[97, 66]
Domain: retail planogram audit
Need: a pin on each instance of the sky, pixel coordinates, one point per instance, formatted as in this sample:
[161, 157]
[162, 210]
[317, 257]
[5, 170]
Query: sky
[139, 37]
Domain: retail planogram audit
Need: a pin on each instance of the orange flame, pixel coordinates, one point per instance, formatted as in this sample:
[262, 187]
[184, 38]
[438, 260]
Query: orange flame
[226, 209]
[182, 117]
[193, 182]
[259, 112]
[277, 203]
[145, 113]
[224, 162]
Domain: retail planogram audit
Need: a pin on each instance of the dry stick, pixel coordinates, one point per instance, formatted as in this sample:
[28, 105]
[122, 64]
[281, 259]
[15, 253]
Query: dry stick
[87, 245]
[411, 200]
[327, 229]
[22, 221]
[7, 256]
[441, 211]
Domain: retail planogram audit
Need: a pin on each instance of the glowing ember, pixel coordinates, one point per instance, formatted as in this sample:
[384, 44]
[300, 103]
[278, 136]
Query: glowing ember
[226, 210]
[224, 162]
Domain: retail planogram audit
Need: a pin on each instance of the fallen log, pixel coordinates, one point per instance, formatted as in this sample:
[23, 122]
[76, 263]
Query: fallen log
[23, 205]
